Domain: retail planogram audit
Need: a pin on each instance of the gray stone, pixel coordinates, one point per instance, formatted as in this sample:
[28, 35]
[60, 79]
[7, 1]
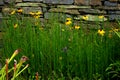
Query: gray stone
[18, 1]
[73, 6]
[27, 10]
[114, 17]
[113, 0]
[110, 4]
[118, 12]
[30, 4]
[82, 2]
[9, 1]
[33, 0]
[61, 10]
[92, 11]
[57, 16]
[1, 2]
[95, 2]
[44, 9]
[114, 12]
[91, 18]
[58, 1]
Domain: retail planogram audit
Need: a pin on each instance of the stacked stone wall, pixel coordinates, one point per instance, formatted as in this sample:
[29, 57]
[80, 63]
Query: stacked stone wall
[109, 8]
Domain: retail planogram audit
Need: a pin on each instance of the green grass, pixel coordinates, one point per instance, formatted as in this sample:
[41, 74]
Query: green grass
[59, 52]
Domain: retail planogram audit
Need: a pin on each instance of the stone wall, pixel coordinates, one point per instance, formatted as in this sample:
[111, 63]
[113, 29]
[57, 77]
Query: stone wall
[72, 8]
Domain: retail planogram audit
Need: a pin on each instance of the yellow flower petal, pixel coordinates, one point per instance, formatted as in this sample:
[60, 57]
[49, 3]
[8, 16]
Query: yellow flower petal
[38, 13]
[13, 12]
[36, 16]
[101, 17]
[77, 27]
[85, 17]
[68, 22]
[32, 13]
[68, 19]
[101, 32]
[16, 25]
[20, 10]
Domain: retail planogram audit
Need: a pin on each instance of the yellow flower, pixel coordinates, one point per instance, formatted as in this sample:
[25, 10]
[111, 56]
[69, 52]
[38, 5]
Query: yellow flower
[101, 32]
[68, 22]
[101, 17]
[116, 29]
[32, 13]
[16, 25]
[77, 27]
[36, 16]
[85, 17]
[13, 12]
[20, 10]
[68, 19]
[38, 13]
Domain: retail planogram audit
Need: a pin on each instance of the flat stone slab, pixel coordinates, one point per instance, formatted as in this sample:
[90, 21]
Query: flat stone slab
[91, 18]
[92, 11]
[32, 0]
[27, 10]
[69, 11]
[95, 2]
[18, 1]
[82, 2]
[73, 7]
[110, 4]
[1, 2]
[9, 1]
[29, 4]
[114, 17]
[59, 16]
[58, 1]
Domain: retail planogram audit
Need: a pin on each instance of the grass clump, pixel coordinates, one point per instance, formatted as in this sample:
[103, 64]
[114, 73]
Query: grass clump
[57, 50]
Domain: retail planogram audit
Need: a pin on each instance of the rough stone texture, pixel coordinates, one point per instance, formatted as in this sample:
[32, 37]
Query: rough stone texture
[114, 17]
[18, 1]
[33, 0]
[114, 12]
[73, 7]
[58, 1]
[92, 11]
[9, 1]
[92, 18]
[113, 0]
[95, 2]
[27, 10]
[1, 2]
[30, 4]
[69, 11]
[59, 16]
[82, 2]
[110, 4]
